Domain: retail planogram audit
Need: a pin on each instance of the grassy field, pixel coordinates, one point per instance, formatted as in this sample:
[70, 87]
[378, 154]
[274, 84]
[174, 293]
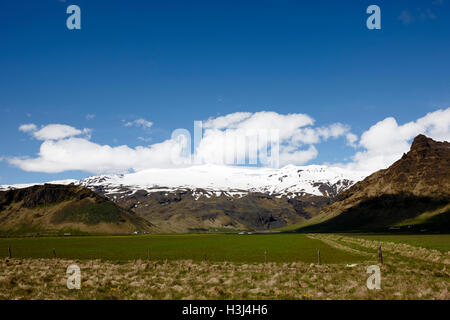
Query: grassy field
[238, 272]
[439, 242]
[216, 247]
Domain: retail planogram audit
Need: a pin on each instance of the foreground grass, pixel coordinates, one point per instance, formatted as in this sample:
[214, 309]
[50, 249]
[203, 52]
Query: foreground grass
[215, 247]
[185, 279]
[408, 272]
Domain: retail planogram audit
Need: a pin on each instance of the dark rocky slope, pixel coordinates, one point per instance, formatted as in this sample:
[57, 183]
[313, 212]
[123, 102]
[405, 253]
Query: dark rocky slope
[412, 194]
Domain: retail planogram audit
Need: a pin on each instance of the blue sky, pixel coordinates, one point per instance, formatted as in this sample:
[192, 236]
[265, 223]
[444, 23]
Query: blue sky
[173, 62]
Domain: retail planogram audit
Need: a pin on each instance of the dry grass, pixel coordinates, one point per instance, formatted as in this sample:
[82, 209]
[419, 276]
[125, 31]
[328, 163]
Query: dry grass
[394, 249]
[409, 272]
[46, 279]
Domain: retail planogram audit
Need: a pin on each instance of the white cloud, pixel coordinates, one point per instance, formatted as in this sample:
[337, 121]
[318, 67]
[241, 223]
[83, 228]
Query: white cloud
[232, 132]
[316, 135]
[58, 131]
[144, 139]
[81, 154]
[351, 139]
[63, 149]
[67, 148]
[139, 123]
[298, 157]
[227, 121]
[386, 141]
[28, 127]
[90, 116]
[53, 131]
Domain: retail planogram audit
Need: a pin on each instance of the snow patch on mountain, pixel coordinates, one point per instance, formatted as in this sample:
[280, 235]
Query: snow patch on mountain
[214, 180]
[313, 179]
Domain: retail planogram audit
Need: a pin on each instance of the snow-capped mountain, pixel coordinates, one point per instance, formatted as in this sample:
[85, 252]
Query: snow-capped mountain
[209, 197]
[26, 185]
[211, 180]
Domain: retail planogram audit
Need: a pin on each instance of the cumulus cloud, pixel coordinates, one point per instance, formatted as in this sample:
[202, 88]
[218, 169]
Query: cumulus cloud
[229, 138]
[242, 138]
[144, 139]
[58, 131]
[227, 121]
[139, 123]
[351, 139]
[386, 141]
[28, 127]
[53, 131]
[82, 154]
[315, 135]
[291, 156]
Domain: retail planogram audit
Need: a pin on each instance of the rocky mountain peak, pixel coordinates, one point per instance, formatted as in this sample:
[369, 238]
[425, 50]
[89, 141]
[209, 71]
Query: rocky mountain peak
[413, 190]
[421, 141]
[425, 168]
[425, 145]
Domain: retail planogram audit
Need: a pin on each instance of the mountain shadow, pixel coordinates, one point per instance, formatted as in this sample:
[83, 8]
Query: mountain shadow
[390, 212]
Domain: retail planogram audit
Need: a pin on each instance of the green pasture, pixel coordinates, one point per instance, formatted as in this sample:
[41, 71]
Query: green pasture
[215, 247]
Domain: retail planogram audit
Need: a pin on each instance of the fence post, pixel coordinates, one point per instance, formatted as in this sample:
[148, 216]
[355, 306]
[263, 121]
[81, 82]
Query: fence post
[318, 257]
[9, 251]
[265, 256]
[148, 254]
[380, 255]
[54, 253]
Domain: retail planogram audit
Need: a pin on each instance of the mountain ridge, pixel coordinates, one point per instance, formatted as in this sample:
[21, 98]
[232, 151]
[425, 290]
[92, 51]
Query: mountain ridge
[415, 188]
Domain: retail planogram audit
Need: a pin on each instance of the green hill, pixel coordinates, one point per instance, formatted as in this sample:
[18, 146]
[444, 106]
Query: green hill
[57, 209]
